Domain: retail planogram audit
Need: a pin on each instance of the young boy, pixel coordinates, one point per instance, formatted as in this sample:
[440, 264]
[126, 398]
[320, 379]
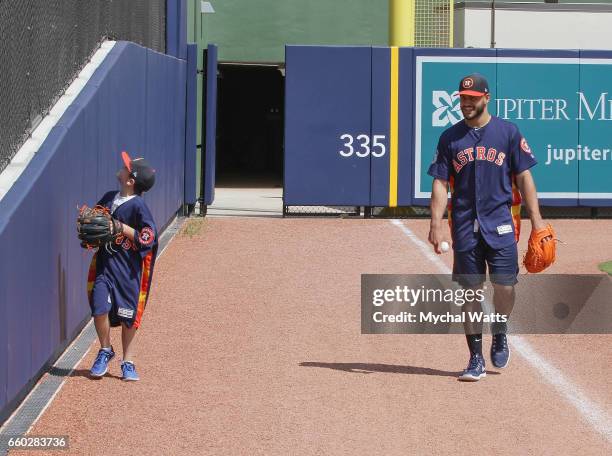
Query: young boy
[120, 276]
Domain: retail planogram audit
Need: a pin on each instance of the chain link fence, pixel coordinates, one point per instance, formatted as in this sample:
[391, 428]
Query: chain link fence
[433, 23]
[321, 211]
[45, 43]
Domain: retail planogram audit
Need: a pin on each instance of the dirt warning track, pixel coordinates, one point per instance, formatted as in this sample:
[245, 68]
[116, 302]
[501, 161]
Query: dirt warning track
[251, 344]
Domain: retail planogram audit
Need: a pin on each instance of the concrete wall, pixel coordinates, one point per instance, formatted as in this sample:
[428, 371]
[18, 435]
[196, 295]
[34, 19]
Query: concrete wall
[534, 25]
[257, 31]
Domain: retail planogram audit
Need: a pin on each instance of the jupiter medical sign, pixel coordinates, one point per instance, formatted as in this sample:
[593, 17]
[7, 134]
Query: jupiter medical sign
[563, 107]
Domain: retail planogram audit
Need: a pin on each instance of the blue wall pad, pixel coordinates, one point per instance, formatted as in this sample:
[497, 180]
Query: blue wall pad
[176, 28]
[406, 127]
[558, 98]
[381, 112]
[327, 125]
[210, 129]
[191, 128]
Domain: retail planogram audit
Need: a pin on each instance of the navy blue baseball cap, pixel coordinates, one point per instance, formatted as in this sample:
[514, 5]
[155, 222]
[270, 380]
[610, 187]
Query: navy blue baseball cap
[140, 170]
[474, 84]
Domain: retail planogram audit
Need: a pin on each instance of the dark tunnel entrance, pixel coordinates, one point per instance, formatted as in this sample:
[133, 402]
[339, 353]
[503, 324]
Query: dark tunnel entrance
[250, 128]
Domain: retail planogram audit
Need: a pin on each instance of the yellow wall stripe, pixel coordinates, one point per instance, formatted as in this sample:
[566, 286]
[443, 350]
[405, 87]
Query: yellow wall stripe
[393, 128]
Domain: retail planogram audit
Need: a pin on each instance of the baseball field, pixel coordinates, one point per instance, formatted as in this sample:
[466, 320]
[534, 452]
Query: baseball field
[278, 163]
[251, 344]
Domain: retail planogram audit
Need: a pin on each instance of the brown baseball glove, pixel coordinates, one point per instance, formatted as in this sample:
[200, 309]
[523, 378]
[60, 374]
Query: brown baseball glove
[541, 250]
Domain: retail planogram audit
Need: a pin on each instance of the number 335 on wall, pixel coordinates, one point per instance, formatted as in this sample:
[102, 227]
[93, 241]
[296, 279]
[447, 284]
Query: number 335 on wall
[362, 147]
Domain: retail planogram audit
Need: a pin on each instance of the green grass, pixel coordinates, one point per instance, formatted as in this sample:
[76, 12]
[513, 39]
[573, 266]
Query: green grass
[606, 267]
[193, 227]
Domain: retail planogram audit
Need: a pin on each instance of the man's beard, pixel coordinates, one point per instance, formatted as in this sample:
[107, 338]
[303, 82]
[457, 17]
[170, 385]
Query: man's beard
[476, 112]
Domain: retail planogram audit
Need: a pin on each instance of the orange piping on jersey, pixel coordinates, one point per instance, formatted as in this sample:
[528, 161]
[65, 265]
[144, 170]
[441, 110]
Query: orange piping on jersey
[144, 288]
[91, 277]
[516, 209]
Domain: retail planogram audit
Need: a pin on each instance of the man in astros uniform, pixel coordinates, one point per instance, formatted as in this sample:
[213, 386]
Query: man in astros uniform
[484, 161]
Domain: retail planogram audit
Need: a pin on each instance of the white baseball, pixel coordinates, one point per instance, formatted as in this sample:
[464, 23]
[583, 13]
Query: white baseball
[444, 246]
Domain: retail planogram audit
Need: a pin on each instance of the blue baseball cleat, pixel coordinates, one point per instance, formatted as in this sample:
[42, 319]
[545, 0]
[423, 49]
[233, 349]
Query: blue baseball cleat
[100, 365]
[500, 352]
[475, 370]
[129, 372]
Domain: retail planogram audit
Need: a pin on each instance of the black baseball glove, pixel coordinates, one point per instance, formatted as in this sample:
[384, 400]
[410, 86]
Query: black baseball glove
[97, 228]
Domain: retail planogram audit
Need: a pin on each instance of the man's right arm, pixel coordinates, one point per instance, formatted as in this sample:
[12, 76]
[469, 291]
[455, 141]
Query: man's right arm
[440, 170]
[439, 198]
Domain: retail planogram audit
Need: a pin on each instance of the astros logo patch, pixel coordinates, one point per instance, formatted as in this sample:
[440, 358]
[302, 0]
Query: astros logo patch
[146, 236]
[524, 146]
[468, 83]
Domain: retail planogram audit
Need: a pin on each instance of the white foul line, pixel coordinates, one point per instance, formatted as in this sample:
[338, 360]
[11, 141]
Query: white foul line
[592, 413]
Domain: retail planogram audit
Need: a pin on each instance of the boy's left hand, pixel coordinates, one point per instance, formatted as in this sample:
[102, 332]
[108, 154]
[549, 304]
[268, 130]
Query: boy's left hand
[96, 227]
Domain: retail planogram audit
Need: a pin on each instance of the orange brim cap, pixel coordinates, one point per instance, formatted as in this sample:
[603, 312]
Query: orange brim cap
[472, 92]
[127, 161]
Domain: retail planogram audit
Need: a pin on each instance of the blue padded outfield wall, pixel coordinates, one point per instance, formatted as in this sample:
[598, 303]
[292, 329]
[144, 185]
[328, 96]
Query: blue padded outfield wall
[328, 101]
[362, 123]
[135, 101]
[209, 132]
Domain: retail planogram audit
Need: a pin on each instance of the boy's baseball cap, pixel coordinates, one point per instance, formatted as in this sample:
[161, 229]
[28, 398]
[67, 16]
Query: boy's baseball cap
[140, 170]
[474, 84]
